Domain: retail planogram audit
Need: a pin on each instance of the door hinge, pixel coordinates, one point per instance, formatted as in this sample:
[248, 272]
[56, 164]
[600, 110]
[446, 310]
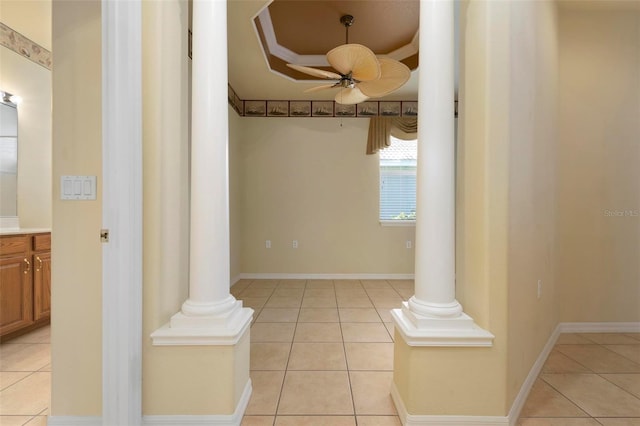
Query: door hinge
[104, 235]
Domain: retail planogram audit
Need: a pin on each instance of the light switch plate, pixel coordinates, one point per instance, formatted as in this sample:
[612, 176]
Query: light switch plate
[77, 187]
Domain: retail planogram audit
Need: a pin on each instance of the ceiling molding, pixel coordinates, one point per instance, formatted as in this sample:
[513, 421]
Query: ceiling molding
[266, 34]
[282, 52]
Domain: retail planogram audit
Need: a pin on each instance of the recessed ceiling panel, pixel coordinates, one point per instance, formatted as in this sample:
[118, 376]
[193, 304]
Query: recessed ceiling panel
[314, 28]
[303, 31]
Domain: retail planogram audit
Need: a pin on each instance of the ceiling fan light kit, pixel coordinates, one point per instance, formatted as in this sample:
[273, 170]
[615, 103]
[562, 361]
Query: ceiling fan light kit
[360, 73]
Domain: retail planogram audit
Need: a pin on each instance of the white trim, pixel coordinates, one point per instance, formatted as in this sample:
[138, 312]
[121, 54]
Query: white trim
[411, 419]
[520, 399]
[122, 212]
[288, 276]
[599, 327]
[235, 280]
[282, 52]
[418, 330]
[232, 420]
[74, 421]
[204, 331]
[406, 223]
[407, 50]
[523, 394]
[563, 327]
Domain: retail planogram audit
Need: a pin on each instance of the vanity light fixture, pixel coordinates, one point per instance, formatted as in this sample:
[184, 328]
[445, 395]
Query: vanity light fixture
[8, 98]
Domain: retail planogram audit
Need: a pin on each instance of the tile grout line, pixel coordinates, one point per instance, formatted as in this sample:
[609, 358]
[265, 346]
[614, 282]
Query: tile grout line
[286, 367]
[615, 384]
[346, 360]
[15, 383]
[591, 372]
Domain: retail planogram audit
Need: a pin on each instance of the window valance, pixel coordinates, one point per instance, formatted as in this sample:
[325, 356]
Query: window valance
[380, 128]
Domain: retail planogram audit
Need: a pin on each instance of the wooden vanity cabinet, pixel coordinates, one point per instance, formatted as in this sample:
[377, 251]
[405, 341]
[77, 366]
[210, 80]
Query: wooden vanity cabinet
[41, 261]
[25, 282]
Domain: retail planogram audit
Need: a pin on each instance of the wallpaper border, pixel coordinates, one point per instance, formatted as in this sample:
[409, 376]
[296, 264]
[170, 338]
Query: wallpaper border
[23, 46]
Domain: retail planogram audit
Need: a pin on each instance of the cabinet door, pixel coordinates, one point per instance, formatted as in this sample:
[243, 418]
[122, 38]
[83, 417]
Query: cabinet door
[42, 285]
[16, 293]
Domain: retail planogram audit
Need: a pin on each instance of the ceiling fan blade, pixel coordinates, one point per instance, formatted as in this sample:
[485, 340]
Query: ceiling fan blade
[323, 87]
[348, 96]
[357, 59]
[394, 75]
[315, 72]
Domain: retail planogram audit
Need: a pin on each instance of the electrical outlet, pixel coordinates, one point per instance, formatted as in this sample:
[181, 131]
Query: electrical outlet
[539, 288]
[295, 244]
[408, 244]
[267, 244]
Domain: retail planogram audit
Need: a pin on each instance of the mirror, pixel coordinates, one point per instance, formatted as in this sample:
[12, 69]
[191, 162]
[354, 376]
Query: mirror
[8, 156]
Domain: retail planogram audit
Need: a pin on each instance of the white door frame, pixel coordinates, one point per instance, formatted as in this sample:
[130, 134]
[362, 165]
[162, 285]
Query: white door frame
[122, 212]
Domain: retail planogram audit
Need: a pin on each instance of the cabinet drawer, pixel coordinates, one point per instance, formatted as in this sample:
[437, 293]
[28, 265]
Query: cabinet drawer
[13, 245]
[42, 242]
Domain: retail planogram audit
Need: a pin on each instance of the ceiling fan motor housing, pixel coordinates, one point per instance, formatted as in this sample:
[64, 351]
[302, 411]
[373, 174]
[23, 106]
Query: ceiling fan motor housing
[346, 20]
[362, 75]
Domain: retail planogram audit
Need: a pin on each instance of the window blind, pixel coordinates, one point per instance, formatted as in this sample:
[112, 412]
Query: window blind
[398, 180]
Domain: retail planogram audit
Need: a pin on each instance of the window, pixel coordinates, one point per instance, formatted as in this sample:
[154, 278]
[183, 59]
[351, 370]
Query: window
[398, 181]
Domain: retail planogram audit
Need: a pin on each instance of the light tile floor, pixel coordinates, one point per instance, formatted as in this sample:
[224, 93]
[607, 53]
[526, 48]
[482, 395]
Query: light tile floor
[321, 351]
[322, 355]
[588, 379]
[25, 379]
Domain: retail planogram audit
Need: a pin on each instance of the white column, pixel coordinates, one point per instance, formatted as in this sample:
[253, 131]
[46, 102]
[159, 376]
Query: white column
[209, 244]
[211, 313]
[435, 198]
[433, 316]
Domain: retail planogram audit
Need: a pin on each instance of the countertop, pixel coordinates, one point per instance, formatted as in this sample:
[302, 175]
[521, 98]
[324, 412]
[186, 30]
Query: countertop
[17, 231]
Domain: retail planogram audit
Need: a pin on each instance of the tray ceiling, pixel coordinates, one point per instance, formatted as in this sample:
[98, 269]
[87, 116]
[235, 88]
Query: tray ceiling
[265, 35]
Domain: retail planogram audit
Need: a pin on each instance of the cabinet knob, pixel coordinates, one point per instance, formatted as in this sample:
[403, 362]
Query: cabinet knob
[28, 268]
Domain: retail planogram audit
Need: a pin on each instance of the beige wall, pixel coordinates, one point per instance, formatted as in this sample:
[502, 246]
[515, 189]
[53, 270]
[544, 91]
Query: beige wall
[598, 220]
[76, 252]
[533, 140]
[31, 18]
[308, 179]
[165, 161]
[235, 193]
[32, 83]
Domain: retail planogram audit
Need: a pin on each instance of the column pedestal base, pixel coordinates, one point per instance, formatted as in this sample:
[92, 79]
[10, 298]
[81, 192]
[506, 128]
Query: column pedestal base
[226, 329]
[422, 330]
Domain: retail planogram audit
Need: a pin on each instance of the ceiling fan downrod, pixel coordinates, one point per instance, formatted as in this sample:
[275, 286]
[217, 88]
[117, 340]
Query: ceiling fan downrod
[347, 21]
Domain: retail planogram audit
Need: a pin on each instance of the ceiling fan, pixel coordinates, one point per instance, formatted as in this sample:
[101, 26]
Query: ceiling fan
[360, 73]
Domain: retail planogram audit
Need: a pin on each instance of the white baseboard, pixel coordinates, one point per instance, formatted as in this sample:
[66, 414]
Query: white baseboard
[287, 276]
[74, 421]
[235, 280]
[186, 420]
[516, 407]
[600, 327]
[563, 327]
[419, 420]
[523, 394]
[181, 420]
